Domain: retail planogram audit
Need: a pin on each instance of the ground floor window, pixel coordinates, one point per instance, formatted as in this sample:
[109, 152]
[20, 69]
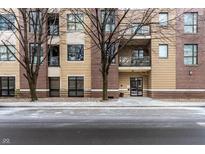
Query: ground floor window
[7, 86]
[54, 86]
[76, 86]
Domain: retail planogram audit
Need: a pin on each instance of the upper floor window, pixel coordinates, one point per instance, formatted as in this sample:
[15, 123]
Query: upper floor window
[7, 22]
[74, 22]
[75, 52]
[190, 54]
[34, 21]
[163, 51]
[35, 53]
[110, 52]
[6, 53]
[163, 19]
[108, 16]
[190, 22]
[53, 24]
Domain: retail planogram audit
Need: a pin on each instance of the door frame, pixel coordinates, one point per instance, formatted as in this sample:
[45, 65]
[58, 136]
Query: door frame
[136, 80]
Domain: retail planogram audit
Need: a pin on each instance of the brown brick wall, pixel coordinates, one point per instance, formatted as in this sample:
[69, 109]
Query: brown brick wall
[197, 79]
[176, 95]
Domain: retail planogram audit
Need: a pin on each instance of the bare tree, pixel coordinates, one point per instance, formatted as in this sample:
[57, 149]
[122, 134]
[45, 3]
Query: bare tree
[30, 25]
[108, 28]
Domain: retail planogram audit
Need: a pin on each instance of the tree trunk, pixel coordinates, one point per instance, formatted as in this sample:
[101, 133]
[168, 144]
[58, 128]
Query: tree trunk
[105, 86]
[33, 94]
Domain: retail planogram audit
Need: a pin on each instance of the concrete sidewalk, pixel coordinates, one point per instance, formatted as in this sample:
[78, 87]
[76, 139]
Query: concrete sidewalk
[121, 102]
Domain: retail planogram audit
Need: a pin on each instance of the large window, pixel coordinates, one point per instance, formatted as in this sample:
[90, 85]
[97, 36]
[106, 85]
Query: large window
[35, 53]
[54, 86]
[75, 86]
[6, 22]
[53, 55]
[53, 24]
[190, 54]
[110, 52]
[190, 22]
[75, 52]
[6, 53]
[74, 22]
[34, 21]
[163, 51]
[7, 86]
[163, 19]
[108, 16]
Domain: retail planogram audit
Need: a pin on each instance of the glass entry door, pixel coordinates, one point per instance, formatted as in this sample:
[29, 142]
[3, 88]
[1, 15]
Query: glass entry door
[136, 86]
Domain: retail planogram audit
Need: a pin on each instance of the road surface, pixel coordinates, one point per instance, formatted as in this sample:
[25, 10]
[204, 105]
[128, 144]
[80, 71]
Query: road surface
[102, 125]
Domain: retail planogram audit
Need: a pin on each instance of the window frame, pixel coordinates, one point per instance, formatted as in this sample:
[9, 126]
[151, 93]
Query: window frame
[76, 79]
[167, 22]
[38, 23]
[8, 89]
[192, 57]
[49, 55]
[75, 22]
[8, 53]
[4, 22]
[54, 89]
[167, 51]
[55, 22]
[75, 46]
[30, 53]
[108, 21]
[191, 25]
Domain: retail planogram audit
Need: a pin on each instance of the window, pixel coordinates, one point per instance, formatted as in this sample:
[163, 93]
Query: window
[163, 19]
[76, 86]
[163, 50]
[53, 24]
[110, 52]
[75, 52]
[190, 22]
[53, 56]
[7, 86]
[34, 21]
[140, 29]
[6, 22]
[138, 54]
[34, 52]
[190, 54]
[74, 22]
[5, 53]
[54, 86]
[109, 17]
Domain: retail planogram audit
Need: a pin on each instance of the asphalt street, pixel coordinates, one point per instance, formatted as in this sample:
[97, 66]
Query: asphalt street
[102, 125]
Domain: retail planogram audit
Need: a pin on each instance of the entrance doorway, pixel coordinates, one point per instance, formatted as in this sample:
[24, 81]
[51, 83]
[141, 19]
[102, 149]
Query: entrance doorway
[136, 86]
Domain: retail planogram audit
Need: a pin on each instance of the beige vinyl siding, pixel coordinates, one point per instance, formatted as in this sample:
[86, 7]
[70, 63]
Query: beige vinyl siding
[163, 72]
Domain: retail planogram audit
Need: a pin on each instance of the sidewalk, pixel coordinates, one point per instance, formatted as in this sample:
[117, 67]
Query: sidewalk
[90, 102]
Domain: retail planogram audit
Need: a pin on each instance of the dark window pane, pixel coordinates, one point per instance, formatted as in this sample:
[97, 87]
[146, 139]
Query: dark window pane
[76, 52]
[75, 86]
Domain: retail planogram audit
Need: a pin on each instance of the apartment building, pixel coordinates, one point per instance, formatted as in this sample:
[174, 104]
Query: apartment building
[164, 60]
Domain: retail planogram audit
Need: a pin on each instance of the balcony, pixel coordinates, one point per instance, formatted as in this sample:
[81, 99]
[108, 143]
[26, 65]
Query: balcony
[134, 64]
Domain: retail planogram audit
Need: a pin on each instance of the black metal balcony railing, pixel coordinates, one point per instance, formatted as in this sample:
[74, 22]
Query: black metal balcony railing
[134, 61]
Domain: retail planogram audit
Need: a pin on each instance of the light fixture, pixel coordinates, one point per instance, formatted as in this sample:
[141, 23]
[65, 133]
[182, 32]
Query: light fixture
[190, 72]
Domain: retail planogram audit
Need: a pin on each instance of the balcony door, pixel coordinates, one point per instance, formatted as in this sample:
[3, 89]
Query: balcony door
[136, 86]
[138, 54]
